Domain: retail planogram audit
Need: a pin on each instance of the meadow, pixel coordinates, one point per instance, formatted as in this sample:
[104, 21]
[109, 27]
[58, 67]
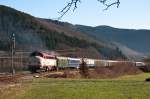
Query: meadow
[124, 87]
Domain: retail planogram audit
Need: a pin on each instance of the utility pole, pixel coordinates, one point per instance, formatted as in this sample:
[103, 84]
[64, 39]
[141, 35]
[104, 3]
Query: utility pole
[12, 52]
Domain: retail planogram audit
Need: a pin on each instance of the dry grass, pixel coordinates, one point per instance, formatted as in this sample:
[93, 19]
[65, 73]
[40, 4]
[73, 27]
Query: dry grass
[99, 72]
[117, 70]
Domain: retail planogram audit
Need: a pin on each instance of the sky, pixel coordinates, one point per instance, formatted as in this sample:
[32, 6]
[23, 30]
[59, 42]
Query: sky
[132, 14]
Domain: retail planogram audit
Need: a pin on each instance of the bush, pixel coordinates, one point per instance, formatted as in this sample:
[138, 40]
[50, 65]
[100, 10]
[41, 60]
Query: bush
[116, 70]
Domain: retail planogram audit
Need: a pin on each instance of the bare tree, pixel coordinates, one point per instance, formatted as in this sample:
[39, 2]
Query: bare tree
[83, 69]
[74, 4]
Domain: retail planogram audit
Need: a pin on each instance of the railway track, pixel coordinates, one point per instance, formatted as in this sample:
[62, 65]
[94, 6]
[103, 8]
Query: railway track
[9, 78]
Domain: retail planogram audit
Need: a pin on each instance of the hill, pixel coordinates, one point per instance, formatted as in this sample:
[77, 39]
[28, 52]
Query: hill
[137, 40]
[33, 33]
[125, 39]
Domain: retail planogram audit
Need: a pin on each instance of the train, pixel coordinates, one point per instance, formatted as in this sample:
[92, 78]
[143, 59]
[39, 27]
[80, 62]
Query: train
[42, 61]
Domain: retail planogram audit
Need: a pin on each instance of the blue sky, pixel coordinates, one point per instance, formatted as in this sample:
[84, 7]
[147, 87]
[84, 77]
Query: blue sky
[132, 14]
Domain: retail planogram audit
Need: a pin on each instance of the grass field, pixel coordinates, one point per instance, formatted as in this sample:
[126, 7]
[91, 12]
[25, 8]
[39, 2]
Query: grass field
[125, 87]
